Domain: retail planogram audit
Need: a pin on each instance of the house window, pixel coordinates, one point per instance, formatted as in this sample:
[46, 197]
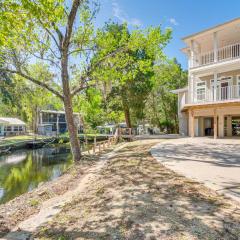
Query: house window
[20, 128]
[201, 91]
[8, 129]
[15, 128]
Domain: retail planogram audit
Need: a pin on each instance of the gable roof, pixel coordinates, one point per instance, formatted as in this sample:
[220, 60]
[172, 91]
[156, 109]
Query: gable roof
[11, 121]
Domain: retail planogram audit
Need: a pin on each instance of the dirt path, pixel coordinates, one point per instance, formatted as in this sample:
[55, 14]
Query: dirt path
[52, 206]
[135, 197]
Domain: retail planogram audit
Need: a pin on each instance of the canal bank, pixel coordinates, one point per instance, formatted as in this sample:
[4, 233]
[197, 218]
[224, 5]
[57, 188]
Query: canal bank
[29, 203]
[23, 142]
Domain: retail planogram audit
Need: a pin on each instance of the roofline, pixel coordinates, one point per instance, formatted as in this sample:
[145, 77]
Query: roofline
[179, 90]
[211, 28]
[55, 111]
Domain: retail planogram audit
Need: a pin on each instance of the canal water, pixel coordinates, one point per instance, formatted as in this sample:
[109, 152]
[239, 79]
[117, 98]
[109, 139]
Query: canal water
[23, 170]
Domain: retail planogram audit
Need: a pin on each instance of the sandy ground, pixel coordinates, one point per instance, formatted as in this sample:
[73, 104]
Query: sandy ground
[216, 163]
[26, 205]
[135, 197]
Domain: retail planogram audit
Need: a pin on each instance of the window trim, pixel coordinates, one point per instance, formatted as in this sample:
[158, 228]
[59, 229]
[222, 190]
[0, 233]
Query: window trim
[203, 87]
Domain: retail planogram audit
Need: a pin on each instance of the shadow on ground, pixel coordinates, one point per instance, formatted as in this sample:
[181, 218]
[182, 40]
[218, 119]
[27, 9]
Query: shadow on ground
[135, 197]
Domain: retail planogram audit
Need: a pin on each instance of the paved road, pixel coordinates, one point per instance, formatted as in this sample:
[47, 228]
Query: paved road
[216, 163]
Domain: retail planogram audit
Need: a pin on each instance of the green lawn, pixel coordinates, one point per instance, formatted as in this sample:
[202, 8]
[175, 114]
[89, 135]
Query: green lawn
[15, 140]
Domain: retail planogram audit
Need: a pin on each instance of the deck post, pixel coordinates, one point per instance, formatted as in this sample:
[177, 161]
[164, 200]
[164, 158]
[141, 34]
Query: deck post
[99, 148]
[221, 126]
[229, 126]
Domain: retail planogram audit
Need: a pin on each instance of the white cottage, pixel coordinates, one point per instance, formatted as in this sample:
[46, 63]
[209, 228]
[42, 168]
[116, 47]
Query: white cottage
[11, 126]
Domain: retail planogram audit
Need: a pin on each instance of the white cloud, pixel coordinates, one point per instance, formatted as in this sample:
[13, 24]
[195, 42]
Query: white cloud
[173, 21]
[122, 16]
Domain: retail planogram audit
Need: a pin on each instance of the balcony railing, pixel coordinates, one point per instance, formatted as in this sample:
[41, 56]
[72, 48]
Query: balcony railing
[222, 94]
[225, 53]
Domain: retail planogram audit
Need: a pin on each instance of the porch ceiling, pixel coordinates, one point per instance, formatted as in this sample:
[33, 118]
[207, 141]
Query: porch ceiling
[219, 104]
[228, 33]
[225, 66]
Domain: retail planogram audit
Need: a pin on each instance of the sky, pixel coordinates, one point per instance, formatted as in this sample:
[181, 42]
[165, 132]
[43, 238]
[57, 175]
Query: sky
[185, 17]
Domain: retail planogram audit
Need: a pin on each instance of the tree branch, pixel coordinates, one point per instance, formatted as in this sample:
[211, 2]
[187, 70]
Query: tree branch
[90, 69]
[39, 83]
[71, 18]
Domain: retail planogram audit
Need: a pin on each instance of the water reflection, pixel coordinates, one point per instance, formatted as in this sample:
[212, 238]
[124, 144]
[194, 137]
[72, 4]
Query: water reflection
[22, 171]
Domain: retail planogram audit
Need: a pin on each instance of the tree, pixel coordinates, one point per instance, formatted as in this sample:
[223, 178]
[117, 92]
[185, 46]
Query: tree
[162, 104]
[131, 72]
[58, 34]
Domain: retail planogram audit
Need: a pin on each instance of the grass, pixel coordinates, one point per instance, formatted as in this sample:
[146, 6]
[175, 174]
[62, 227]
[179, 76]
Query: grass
[34, 202]
[18, 140]
[15, 140]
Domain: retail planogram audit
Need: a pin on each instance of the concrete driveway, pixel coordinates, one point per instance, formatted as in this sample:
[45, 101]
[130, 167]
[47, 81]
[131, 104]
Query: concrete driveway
[216, 163]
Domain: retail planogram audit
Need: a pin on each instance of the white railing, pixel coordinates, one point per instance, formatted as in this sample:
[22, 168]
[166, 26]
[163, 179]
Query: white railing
[229, 52]
[222, 94]
[225, 53]
[206, 58]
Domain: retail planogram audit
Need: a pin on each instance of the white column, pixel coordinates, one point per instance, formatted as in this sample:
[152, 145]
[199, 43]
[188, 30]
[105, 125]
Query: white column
[192, 54]
[215, 46]
[215, 86]
[191, 90]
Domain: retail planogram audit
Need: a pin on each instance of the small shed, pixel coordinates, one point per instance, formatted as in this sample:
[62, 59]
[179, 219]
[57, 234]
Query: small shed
[12, 126]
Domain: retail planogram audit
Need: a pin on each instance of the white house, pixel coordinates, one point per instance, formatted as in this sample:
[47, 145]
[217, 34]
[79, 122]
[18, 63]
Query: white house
[210, 104]
[11, 126]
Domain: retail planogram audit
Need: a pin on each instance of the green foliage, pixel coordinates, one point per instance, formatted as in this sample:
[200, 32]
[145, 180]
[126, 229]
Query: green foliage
[90, 105]
[127, 70]
[130, 71]
[162, 104]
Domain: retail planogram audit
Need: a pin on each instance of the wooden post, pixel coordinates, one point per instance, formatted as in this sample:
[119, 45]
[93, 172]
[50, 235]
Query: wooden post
[99, 148]
[95, 142]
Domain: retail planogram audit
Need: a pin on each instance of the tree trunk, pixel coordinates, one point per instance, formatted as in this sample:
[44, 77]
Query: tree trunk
[67, 99]
[127, 116]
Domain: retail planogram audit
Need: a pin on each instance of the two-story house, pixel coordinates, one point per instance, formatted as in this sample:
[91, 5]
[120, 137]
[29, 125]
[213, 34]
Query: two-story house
[51, 122]
[210, 104]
